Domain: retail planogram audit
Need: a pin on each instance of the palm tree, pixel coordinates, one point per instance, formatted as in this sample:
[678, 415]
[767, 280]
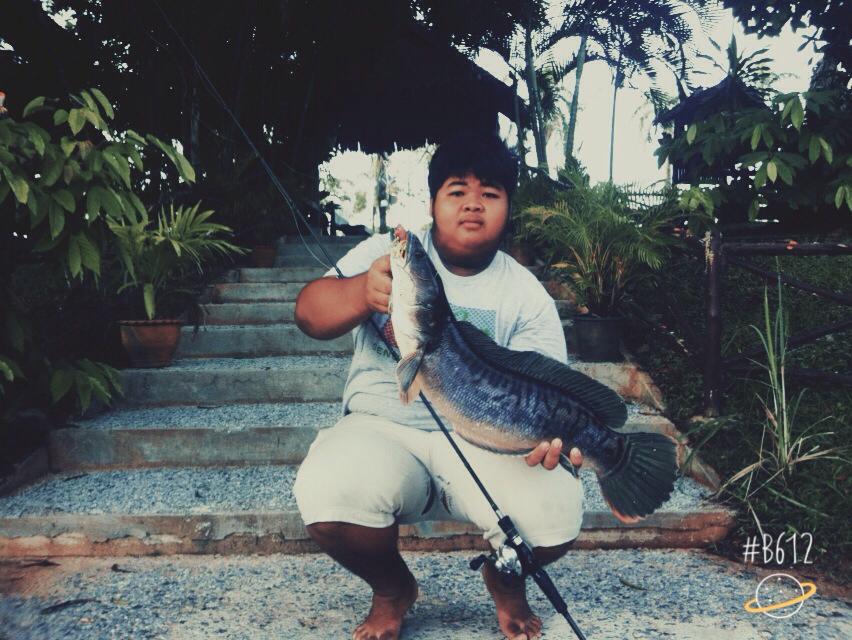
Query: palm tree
[752, 69]
[647, 32]
[629, 35]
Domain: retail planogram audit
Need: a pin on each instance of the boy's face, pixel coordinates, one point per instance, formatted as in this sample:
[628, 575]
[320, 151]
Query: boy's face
[469, 217]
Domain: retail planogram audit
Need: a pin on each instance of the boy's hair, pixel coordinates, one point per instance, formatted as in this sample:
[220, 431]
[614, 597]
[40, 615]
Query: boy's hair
[484, 155]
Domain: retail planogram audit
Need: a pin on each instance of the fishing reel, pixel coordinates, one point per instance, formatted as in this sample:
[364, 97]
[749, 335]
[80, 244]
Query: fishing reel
[505, 559]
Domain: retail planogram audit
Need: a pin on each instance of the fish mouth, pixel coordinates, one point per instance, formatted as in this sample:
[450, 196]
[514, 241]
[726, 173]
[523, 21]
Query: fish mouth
[401, 246]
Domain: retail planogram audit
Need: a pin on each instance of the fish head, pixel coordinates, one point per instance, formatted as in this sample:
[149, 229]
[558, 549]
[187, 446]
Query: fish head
[417, 302]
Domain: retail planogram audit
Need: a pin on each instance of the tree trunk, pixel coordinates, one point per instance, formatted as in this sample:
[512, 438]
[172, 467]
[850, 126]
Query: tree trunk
[616, 84]
[535, 101]
[520, 149]
[575, 100]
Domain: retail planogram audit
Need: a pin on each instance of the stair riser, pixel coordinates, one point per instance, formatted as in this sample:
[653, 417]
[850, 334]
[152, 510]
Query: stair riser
[303, 261]
[256, 292]
[299, 274]
[271, 274]
[256, 341]
[249, 313]
[159, 387]
[283, 532]
[88, 449]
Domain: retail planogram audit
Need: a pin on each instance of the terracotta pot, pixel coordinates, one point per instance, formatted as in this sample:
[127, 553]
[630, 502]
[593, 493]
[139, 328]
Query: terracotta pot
[150, 343]
[598, 337]
[263, 255]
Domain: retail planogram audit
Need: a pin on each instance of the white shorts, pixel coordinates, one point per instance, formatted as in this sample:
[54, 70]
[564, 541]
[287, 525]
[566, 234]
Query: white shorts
[370, 471]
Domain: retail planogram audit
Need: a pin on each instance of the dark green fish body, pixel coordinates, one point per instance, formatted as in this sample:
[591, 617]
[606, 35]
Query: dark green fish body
[508, 401]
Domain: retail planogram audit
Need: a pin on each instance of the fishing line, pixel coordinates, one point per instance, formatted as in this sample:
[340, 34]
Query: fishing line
[518, 559]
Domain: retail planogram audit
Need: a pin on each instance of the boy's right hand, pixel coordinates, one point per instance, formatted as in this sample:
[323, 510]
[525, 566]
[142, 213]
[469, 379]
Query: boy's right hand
[377, 286]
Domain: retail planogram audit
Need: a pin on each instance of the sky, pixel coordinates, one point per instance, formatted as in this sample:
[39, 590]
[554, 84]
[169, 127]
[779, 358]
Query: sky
[634, 162]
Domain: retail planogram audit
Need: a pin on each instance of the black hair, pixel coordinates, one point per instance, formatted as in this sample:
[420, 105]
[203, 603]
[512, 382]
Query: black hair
[484, 155]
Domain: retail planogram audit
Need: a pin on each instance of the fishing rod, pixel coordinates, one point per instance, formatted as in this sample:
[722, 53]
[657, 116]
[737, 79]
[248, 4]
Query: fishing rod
[515, 557]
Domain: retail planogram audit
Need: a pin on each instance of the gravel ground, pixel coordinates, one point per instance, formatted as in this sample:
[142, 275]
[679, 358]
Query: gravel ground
[613, 595]
[225, 417]
[217, 489]
[236, 416]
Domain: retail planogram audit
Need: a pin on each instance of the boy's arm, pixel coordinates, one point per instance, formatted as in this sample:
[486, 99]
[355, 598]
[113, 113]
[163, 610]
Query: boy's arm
[328, 307]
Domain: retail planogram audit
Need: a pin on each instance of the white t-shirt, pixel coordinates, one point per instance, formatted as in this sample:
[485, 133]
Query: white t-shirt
[504, 300]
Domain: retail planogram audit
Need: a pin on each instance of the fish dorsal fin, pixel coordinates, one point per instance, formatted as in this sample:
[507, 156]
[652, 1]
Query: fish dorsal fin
[606, 405]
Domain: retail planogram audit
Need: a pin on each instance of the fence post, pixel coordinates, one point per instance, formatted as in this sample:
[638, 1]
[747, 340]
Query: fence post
[713, 348]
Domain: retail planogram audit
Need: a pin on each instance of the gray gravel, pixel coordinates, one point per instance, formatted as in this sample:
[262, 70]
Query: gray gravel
[613, 595]
[270, 362]
[218, 489]
[234, 416]
[224, 417]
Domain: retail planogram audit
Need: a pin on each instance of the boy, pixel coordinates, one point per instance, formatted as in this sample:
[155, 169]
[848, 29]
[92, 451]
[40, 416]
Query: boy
[385, 463]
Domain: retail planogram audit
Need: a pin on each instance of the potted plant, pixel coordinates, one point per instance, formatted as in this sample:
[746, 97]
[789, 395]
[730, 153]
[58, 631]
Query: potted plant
[592, 239]
[154, 258]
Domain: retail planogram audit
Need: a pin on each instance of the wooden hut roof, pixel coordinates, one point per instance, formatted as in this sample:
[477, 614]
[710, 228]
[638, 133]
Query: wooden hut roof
[729, 95]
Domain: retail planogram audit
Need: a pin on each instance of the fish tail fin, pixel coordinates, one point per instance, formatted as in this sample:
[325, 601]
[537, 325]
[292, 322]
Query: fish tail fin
[643, 478]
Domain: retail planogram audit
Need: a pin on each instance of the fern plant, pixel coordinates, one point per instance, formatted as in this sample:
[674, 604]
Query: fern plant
[598, 243]
[154, 257]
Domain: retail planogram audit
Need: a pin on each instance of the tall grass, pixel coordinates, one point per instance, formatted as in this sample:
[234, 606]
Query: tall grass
[784, 444]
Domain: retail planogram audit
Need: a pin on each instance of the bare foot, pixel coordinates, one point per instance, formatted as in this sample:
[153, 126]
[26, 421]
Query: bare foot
[385, 617]
[516, 619]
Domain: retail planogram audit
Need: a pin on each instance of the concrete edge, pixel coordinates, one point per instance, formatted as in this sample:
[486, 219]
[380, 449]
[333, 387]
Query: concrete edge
[283, 532]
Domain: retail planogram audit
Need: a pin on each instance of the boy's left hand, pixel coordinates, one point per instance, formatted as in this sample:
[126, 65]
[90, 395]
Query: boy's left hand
[547, 455]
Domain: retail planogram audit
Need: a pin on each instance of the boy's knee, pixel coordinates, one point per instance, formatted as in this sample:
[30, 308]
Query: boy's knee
[548, 554]
[324, 532]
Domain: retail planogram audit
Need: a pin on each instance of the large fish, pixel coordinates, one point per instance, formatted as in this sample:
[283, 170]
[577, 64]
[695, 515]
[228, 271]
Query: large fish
[509, 401]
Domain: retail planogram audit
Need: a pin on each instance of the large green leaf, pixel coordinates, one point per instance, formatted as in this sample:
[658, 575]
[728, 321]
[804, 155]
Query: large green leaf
[119, 165]
[148, 296]
[20, 187]
[60, 384]
[32, 105]
[93, 203]
[65, 199]
[89, 100]
[84, 391]
[89, 253]
[51, 168]
[74, 256]
[57, 220]
[105, 105]
[76, 120]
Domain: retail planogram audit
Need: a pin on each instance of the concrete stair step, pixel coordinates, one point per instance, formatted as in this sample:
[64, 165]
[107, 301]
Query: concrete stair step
[241, 434]
[249, 312]
[252, 510]
[192, 381]
[273, 312]
[255, 340]
[254, 291]
[273, 274]
[303, 261]
[228, 434]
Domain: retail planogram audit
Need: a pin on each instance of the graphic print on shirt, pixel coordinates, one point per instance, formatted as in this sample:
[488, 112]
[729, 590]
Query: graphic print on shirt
[483, 319]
